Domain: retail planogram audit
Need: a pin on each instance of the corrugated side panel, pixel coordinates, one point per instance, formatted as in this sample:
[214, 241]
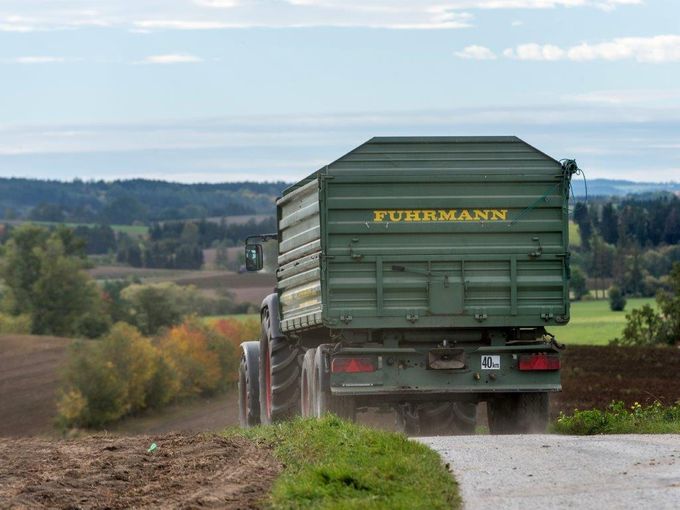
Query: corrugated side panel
[299, 281]
[446, 234]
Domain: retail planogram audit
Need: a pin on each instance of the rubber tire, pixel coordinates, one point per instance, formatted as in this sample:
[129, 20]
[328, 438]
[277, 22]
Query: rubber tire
[280, 368]
[324, 401]
[249, 387]
[440, 419]
[522, 413]
[307, 385]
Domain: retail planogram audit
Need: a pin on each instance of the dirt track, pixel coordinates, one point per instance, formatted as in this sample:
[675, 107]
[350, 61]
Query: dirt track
[118, 472]
[541, 471]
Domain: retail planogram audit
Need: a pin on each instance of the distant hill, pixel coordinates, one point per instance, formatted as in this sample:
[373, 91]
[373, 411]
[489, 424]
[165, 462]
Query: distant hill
[131, 201]
[615, 187]
[141, 201]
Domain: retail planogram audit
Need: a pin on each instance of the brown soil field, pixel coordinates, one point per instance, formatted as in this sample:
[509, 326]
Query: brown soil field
[593, 376]
[200, 471]
[29, 375]
[246, 287]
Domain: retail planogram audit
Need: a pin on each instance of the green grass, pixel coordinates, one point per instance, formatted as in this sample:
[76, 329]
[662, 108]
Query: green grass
[593, 323]
[574, 235]
[333, 464]
[617, 419]
[133, 230]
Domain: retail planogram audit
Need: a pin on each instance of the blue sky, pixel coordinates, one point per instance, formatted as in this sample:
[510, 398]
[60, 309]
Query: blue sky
[219, 90]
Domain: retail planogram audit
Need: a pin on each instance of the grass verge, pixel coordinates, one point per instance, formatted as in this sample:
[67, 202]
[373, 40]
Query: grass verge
[618, 419]
[593, 323]
[333, 464]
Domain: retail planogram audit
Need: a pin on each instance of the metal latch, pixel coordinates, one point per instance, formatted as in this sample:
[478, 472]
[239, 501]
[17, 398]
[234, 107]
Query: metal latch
[346, 318]
[481, 317]
[538, 251]
[412, 317]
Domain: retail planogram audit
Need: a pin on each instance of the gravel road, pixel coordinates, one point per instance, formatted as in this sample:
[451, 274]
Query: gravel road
[549, 471]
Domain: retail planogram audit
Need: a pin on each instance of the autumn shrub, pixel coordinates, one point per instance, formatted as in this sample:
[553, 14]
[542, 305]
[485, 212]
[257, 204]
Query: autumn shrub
[107, 379]
[238, 330]
[125, 372]
[193, 351]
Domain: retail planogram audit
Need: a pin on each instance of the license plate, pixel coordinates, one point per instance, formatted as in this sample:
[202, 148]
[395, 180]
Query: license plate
[491, 362]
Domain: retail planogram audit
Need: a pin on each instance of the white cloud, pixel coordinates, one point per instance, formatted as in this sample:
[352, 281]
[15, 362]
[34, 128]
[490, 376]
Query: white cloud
[32, 15]
[657, 49]
[35, 60]
[626, 97]
[535, 52]
[475, 52]
[173, 58]
[218, 4]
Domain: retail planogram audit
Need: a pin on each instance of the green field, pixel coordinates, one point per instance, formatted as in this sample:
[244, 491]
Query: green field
[593, 323]
[132, 230]
[574, 235]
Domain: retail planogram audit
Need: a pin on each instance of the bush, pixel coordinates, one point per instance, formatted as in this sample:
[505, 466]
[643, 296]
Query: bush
[617, 419]
[617, 301]
[203, 359]
[125, 372]
[15, 324]
[158, 305]
[577, 284]
[106, 380]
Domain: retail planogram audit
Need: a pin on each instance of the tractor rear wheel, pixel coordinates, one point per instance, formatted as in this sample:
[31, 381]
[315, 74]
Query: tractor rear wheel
[279, 376]
[324, 401]
[249, 386]
[307, 384]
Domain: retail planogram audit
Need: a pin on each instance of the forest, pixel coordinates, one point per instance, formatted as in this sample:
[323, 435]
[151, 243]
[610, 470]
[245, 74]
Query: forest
[137, 201]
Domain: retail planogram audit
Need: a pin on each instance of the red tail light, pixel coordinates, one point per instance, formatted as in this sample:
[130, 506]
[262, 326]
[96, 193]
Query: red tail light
[539, 362]
[352, 365]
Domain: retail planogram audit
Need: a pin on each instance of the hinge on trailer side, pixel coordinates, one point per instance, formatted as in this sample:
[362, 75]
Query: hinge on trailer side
[412, 317]
[346, 317]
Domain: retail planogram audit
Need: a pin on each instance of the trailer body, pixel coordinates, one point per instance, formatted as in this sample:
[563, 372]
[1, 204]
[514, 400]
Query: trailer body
[441, 259]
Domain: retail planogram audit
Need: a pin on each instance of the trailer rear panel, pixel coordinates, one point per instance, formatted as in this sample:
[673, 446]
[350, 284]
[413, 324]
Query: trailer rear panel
[427, 233]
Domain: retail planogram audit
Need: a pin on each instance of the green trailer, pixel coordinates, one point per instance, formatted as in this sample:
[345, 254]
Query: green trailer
[421, 274]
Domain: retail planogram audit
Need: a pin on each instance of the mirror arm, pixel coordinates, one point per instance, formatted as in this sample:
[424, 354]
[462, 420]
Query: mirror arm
[262, 237]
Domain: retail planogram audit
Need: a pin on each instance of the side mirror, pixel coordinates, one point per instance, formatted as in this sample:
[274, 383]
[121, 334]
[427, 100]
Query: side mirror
[254, 259]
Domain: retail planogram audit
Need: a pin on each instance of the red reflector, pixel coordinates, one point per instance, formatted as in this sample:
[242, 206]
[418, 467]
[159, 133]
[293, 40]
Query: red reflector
[352, 365]
[539, 362]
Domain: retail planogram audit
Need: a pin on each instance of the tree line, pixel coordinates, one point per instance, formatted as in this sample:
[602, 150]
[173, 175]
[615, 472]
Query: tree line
[131, 201]
[631, 242]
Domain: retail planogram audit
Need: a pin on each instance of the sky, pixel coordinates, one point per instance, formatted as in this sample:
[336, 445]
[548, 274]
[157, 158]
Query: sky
[225, 90]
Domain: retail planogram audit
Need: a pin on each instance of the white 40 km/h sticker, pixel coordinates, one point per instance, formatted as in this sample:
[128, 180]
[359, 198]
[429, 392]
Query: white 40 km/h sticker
[491, 362]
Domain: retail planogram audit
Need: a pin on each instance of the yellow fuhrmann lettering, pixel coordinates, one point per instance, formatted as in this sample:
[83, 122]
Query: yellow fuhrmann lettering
[499, 214]
[395, 215]
[379, 215]
[445, 215]
[418, 215]
[429, 216]
[412, 215]
[481, 214]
